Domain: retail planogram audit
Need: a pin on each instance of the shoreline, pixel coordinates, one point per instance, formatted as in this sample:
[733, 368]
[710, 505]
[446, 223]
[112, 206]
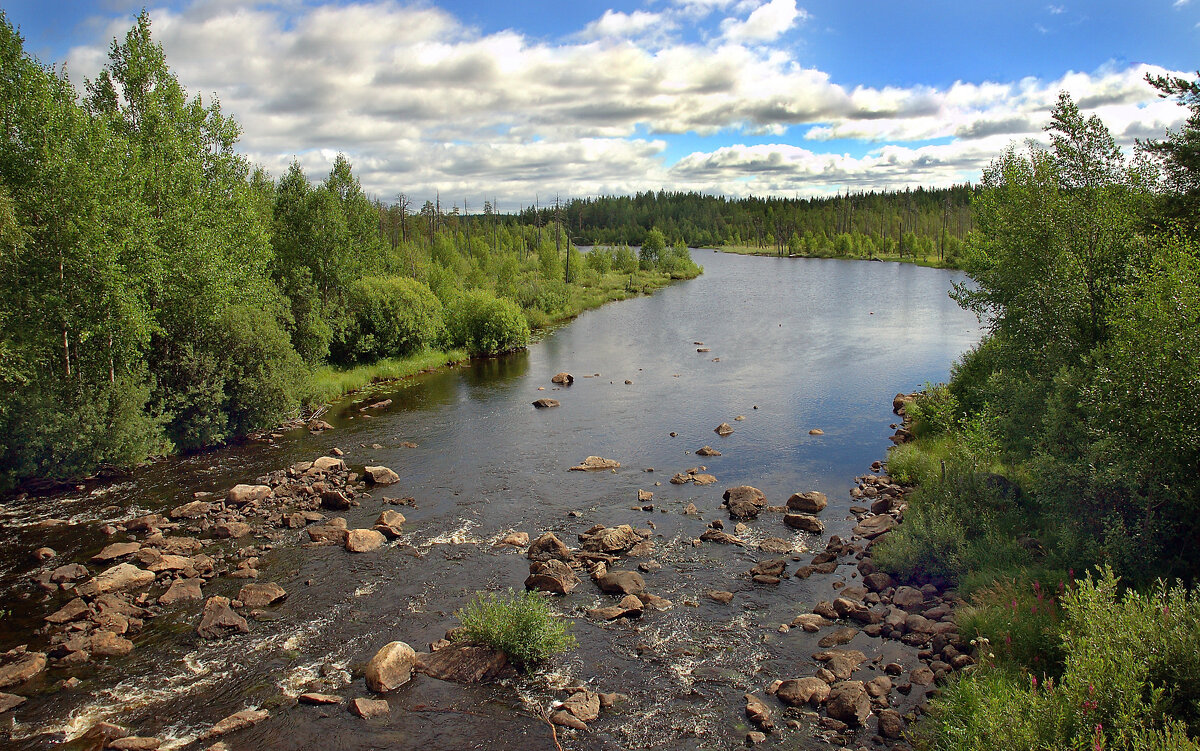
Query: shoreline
[744, 250]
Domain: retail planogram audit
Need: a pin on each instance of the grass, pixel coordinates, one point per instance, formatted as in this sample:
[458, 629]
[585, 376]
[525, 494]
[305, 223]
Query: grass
[520, 624]
[929, 262]
[329, 383]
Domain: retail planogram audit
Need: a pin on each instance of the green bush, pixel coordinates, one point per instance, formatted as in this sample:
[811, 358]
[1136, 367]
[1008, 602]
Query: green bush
[486, 325]
[935, 411]
[388, 317]
[1021, 621]
[600, 259]
[520, 624]
[929, 545]
[625, 261]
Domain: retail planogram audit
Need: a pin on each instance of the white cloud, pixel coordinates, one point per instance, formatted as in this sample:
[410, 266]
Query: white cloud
[1180, 3]
[617, 24]
[421, 102]
[1056, 10]
[765, 23]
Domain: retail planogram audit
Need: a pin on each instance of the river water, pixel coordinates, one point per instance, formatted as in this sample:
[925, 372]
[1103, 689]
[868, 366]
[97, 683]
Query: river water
[795, 344]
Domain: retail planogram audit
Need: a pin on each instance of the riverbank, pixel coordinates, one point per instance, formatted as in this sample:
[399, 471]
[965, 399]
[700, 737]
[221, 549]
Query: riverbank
[933, 263]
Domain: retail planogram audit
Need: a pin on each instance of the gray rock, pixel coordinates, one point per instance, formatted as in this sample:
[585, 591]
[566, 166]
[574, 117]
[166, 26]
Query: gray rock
[261, 595]
[622, 582]
[218, 620]
[849, 702]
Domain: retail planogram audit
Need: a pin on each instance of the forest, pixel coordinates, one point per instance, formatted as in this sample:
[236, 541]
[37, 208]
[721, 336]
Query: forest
[161, 294]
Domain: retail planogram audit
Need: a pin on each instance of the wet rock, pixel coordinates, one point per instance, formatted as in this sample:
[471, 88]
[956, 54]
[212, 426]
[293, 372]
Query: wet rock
[816, 431]
[874, 526]
[716, 535]
[773, 567]
[804, 523]
[891, 724]
[921, 676]
[181, 590]
[744, 502]
[703, 479]
[335, 500]
[584, 705]
[319, 699]
[240, 495]
[645, 495]
[566, 719]
[230, 530]
[595, 463]
[332, 532]
[617, 539]
[368, 708]
[548, 546]
[170, 563]
[464, 663]
[545, 403]
[121, 577]
[759, 713]
[329, 464]
[755, 737]
[630, 606]
[516, 539]
[879, 687]
[877, 581]
[720, 595]
[261, 595]
[219, 620]
[68, 573]
[848, 702]
[622, 582]
[72, 611]
[108, 644]
[10, 701]
[553, 576]
[801, 691]
[391, 667]
[810, 622]
[840, 636]
[390, 523]
[116, 550]
[723, 429]
[564, 379]
[193, 510]
[811, 502]
[908, 598]
[364, 540]
[237, 721]
[134, 743]
[707, 451]
[18, 667]
[381, 476]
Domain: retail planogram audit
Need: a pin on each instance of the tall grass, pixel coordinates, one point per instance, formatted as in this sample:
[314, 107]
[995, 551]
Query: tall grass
[329, 383]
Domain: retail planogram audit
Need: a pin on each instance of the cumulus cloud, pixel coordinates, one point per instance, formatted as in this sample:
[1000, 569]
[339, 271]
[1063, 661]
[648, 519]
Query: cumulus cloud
[765, 23]
[421, 102]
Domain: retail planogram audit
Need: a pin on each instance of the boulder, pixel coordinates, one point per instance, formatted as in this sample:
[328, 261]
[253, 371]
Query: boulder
[811, 502]
[874, 526]
[843, 635]
[261, 595]
[180, 590]
[551, 575]
[583, 705]
[877, 581]
[108, 644]
[800, 691]
[804, 523]
[908, 598]
[134, 743]
[368, 708]
[329, 464]
[565, 379]
[381, 476]
[891, 724]
[723, 429]
[391, 667]
[319, 699]
[119, 578]
[744, 502]
[231, 530]
[390, 523]
[117, 550]
[848, 701]
[20, 666]
[335, 500]
[622, 582]
[548, 546]
[595, 463]
[545, 403]
[707, 451]
[364, 540]
[630, 606]
[240, 495]
[218, 620]
[464, 663]
[237, 721]
[516, 539]
[759, 713]
[333, 532]
[617, 539]
[72, 611]
[10, 701]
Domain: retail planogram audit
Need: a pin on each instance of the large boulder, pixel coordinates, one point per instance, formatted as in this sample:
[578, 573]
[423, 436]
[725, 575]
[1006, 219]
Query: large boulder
[622, 582]
[464, 663]
[617, 539]
[874, 526]
[261, 595]
[548, 546]
[564, 379]
[391, 667]
[551, 575]
[390, 523]
[364, 540]
[800, 691]
[240, 495]
[381, 476]
[181, 590]
[848, 701]
[218, 620]
[744, 502]
[804, 523]
[19, 667]
[811, 502]
[119, 578]
[329, 464]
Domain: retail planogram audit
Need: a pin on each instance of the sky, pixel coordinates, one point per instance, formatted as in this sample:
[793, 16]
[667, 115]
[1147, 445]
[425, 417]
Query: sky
[514, 102]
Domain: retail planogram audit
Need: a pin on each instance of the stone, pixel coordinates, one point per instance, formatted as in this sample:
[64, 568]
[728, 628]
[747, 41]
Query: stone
[333, 532]
[108, 644]
[565, 379]
[464, 663]
[758, 712]
[193, 510]
[921, 676]
[622, 582]
[236, 721]
[170, 563]
[391, 667]
[891, 724]
[240, 495]
[134, 743]
[20, 667]
[566, 719]
[119, 578]
[816, 431]
[744, 502]
[630, 606]
[10, 701]
[68, 573]
[877, 581]
[72, 611]
[840, 636]
[545, 403]
[553, 576]
[368, 708]
[719, 595]
[879, 687]
[117, 550]
[908, 598]
[707, 451]
[319, 699]
[230, 530]
[848, 702]
[261, 595]
[329, 464]
[804, 523]
[811, 502]
[516, 539]
[800, 691]
[218, 620]
[583, 705]
[810, 622]
[335, 500]
[723, 429]
[381, 476]
[874, 526]
[364, 540]
[390, 523]
[595, 463]
[617, 539]
[548, 546]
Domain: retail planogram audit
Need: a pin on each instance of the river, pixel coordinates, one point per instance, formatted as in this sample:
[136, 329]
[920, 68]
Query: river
[793, 345]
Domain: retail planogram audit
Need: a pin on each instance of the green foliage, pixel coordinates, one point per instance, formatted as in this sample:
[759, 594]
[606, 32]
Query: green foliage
[929, 546]
[1021, 620]
[519, 624]
[935, 411]
[651, 251]
[486, 325]
[625, 261]
[388, 317]
[600, 259]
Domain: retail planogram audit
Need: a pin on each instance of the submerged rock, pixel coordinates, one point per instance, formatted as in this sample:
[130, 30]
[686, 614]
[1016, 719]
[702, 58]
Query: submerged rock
[464, 663]
[368, 708]
[261, 595]
[545, 403]
[219, 620]
[596, 463]
[237, 721]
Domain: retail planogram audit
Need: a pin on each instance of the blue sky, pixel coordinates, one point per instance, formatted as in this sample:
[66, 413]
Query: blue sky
[723, 96]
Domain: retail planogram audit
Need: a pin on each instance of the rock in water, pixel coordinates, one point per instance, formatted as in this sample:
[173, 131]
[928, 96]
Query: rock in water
[622, 582]
[545, 403]
[219, 620]
[391, 667]
[116, 579]
[758, 712]
[707, 451]
[566, 379]
[848, 702]
[390, 523]
[811, 502]
[594, 463]
[240, 495]
[261, 595]
[745, 502]
[463, 663]
[798, 692]
[723, 429]
[20, 667]
[368, 708]
[236, 721]
[804, 523]
[552, 575]
[381, 475]
[364, 540]
[548, 546]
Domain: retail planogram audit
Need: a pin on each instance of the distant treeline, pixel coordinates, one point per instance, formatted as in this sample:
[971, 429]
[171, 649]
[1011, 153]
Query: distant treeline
[161, 294]
[922, 221]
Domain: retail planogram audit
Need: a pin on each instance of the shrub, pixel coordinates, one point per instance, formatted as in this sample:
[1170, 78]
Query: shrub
[1021, 619]
[625, 261]
[935, 411]
[388, 317]
[600, 259]
[519, 624]
[486, 325]
[931, 544]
